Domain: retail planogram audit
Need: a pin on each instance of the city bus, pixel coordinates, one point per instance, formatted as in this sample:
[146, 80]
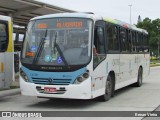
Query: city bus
[6, 52]
[81, 56]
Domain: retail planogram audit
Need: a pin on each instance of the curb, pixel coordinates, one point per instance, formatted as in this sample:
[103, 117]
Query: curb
[10, 92]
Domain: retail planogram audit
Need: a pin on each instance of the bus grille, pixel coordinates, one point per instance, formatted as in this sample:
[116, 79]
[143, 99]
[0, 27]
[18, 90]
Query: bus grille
[48, 81]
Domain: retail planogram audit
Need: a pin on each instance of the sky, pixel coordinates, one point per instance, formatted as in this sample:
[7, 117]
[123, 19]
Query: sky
[115, 9]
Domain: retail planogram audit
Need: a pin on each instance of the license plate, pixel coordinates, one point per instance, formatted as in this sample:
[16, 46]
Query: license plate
[49, 89]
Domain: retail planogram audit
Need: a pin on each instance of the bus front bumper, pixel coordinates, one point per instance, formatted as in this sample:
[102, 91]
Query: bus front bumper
[72, 91]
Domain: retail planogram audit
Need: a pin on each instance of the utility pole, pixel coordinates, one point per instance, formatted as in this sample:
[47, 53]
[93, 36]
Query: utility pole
[158, 40]
[158, 48]
[130, 14]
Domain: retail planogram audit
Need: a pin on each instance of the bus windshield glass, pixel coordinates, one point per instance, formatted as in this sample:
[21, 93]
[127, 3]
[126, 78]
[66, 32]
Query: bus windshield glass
[58, 41]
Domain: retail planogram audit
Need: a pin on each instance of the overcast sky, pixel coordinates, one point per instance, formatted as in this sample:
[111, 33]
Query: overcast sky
[116, 9]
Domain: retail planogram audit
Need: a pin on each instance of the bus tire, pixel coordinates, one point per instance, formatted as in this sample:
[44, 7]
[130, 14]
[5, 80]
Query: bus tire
[139, 78]
[108, 89]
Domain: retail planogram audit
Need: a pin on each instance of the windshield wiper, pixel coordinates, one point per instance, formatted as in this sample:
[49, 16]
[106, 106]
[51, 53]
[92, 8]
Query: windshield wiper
[59, 50]
[40, 48]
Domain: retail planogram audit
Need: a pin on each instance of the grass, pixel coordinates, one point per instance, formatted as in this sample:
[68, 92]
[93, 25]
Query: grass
[14, 87]
[9, 88]
[4, 89]
[154, 63]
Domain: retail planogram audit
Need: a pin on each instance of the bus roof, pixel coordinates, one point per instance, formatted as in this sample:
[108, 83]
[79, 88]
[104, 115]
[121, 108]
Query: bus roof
[76, 15]
[94, 17]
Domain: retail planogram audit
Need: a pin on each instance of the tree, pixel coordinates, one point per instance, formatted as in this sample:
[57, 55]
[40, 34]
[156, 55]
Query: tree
[153, 28]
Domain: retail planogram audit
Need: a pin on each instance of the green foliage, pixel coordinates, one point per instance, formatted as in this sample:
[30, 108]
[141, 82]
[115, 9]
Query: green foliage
[153, 28]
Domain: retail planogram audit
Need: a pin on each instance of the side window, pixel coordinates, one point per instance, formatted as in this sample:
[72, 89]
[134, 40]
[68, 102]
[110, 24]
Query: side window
[133, 43]
[145, 43]
[3, 36]
[124, 40]
[99, 40]
[129, 40]
[112, 37]
[139, 42]
[142, 40]
[99, 44]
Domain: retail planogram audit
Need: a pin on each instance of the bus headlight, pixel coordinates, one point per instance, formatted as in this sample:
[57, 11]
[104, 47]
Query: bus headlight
[23, 75]
[85, 75]
[82, 78]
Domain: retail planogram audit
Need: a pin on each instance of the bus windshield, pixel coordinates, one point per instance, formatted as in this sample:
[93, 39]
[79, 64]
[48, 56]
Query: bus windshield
[58, 41]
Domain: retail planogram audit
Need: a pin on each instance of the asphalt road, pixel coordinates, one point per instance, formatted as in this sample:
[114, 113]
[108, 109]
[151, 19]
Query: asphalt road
[144, 98]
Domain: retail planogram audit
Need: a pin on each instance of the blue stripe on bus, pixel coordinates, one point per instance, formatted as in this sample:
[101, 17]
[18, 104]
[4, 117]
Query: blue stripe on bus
[52, 78]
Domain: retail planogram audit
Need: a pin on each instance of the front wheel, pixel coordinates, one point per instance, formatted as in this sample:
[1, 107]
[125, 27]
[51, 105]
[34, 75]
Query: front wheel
[108, 89]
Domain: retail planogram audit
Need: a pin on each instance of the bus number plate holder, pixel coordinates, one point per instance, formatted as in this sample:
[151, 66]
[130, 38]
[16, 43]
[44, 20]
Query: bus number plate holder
[49, 89]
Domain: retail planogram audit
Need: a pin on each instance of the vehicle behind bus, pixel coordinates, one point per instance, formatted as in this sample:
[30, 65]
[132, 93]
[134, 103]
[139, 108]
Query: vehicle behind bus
[81, 56]
[6, 52]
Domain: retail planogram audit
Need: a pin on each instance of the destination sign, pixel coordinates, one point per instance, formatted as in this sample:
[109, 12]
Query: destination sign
[69, 24]
[41, 25]
[61, 23]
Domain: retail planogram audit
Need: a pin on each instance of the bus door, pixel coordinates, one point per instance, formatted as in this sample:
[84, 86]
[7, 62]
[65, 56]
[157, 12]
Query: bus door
[99, 55]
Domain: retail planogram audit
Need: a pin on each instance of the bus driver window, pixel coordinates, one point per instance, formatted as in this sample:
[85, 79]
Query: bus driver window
[99, 46]
[94, 50]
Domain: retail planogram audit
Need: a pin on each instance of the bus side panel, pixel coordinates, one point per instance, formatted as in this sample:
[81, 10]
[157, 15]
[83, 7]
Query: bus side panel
[143, 60]
[114, 65]
[98, 78]
[146, 65]
[1, 70]
[124, 66]
[111, 63]
[9, 68]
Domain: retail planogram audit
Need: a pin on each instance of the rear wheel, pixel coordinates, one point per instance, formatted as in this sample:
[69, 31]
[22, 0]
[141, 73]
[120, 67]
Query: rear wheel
[139, 78]
[108, 89]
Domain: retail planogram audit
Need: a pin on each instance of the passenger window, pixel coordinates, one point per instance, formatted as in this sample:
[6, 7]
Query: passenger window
[133, 43]
[145, 43]
[3, 37]
[139, 42]
[112, 37]
[129, 41]
[124, 41]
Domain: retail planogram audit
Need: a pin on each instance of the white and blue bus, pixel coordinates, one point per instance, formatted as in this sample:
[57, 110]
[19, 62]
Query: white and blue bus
[81, 56]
